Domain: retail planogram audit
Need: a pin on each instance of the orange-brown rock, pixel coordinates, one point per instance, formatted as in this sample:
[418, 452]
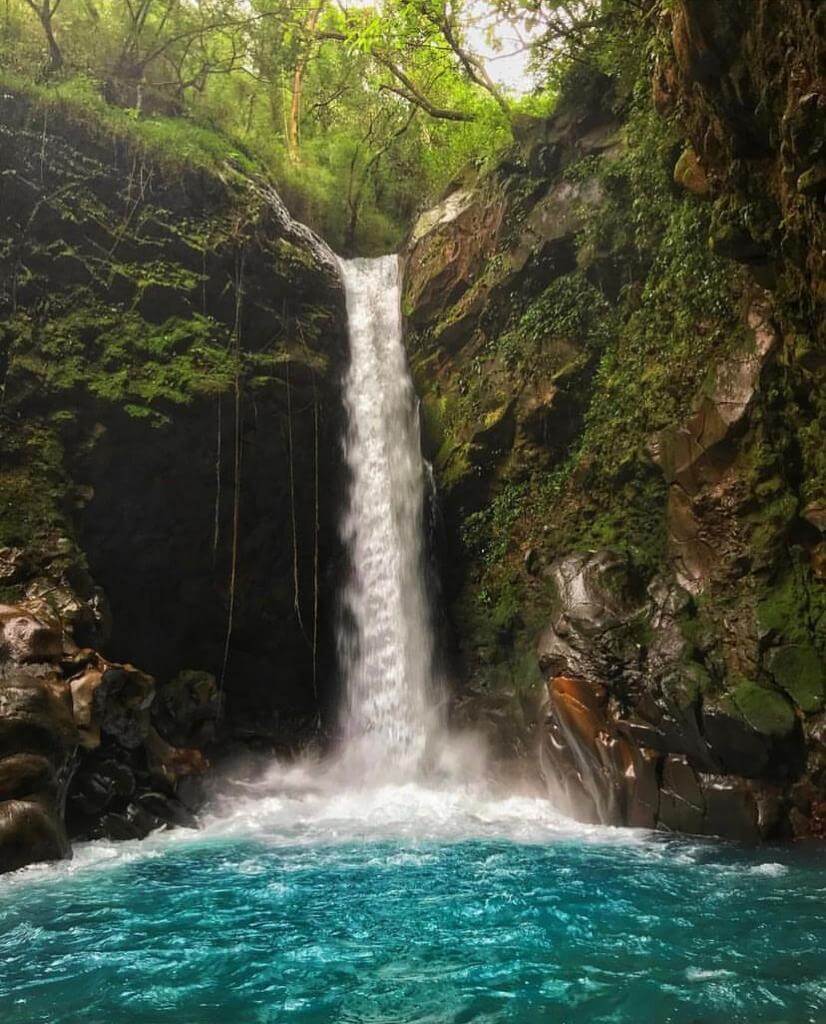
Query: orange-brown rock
[447, 250]
[690, 174]
[599, 761]
[29, 832]
[173, 763]
[25, 638]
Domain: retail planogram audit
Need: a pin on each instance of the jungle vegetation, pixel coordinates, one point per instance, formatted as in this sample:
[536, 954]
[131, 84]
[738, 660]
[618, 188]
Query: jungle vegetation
[359, 113]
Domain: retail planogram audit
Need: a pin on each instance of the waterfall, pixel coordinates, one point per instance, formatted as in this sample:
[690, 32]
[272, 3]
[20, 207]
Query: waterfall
[385, 636]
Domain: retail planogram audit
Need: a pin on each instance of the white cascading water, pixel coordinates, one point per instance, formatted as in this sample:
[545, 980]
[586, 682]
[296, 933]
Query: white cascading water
[385, 639]
[399, 772]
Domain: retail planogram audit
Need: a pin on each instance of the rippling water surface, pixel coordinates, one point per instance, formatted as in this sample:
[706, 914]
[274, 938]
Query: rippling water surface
[300, 902]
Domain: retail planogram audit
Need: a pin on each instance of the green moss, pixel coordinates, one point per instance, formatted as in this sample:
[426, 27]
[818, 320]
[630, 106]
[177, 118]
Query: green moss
[812, 437]
[800, 671]
[84, 345]
[106, 266]
[32, 484]
[453, 464]
[766, 711]
[782, 611]
[685, 686]
[432, 422]
[570, 310]
[175, 141]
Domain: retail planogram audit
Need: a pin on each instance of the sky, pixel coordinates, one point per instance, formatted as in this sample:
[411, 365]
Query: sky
[505, 67]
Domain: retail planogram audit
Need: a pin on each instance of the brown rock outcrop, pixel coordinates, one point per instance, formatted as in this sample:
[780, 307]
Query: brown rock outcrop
[75, 731]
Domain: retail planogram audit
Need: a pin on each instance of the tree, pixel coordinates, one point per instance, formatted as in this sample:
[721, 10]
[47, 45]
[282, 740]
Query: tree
[358, 113]
[45, 11]
[308, 30]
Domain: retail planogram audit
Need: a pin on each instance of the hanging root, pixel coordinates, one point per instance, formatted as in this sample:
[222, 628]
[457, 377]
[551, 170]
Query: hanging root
[315, 541]
[296, 589]
[219, 442]
[236, 498]
[216, 528]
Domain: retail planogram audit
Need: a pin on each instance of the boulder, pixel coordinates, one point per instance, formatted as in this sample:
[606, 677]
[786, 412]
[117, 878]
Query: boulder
[737, 747]
[37, 736]
[121, 702]
[35, 714]
[733, 810]
[799, 670]
[30, 832]
[638, 731]
[25, 638]
[171, 764]
[21, 774]
[185, 710]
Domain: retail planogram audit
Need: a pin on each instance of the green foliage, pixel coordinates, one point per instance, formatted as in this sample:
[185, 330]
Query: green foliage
[177, 142]
[570, 310]
[116, 356]
[678, 310]
[486, 533]
[357, 114]
[629, 335]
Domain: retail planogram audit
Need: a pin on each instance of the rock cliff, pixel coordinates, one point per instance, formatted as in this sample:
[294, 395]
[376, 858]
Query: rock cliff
[617, 335]
[171, 349]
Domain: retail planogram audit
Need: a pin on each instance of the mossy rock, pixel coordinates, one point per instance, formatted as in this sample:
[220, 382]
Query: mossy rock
[686, 685]
[766, 711]
[452, 464]
[494, 436]
[433, 409]
[690, 174]
[799, 670]
[782, 610]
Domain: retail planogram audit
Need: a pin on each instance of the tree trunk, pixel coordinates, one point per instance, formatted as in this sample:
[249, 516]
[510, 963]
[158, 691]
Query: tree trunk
[293, 133]
[45, 13]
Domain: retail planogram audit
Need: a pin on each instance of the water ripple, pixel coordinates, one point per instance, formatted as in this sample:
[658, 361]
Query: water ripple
[430, 906]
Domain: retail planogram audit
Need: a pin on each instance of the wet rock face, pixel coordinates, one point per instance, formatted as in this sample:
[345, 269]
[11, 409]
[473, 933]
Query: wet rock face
[37, 734]
[594, 601]
[747, 78]
[702, 461]
[594, 766]
[79, 753]
[448, 248]
[668, 554]
[638, 731]
[29, 832]
[23, 638]
[138, 500]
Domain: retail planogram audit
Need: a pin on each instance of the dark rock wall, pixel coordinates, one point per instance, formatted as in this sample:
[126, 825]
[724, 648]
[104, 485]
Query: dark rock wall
[618, 340]
[162, 323]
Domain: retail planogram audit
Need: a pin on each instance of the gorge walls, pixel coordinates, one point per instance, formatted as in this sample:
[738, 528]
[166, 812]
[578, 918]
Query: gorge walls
[171, 350]
[617, 334]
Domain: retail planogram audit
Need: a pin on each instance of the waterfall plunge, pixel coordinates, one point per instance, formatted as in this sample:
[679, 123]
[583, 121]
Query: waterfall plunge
[398, 770]
[385, 638]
